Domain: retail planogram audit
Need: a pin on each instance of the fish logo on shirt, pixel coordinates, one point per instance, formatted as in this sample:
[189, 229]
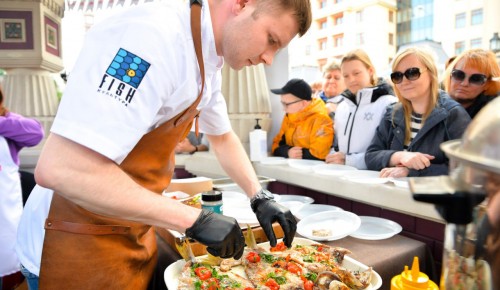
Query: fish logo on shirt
[123, 76]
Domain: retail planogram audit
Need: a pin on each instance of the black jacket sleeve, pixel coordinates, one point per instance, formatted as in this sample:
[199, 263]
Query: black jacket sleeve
[282, 149]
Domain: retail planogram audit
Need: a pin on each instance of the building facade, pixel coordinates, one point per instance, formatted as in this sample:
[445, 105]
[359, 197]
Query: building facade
[340, 26]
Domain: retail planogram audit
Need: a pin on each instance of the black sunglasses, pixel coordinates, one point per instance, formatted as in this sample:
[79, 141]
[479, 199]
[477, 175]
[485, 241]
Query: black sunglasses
[411, 74]
[474, 79]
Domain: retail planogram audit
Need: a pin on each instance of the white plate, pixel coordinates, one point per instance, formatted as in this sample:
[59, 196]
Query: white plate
[361, 174]
[309, 209]
[339, 223]
[234, 197]
[304, 164]
[292, 205]
[370, 180]
[242, 213]
[173, 271]
[333, 169]
[401, 182]
[273, 160]
[291, 197]
[375, 228]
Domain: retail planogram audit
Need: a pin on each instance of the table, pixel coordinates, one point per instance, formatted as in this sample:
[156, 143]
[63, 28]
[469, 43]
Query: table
[387, 257]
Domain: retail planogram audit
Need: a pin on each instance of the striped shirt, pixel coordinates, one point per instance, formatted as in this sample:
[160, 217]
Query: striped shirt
[416, 125]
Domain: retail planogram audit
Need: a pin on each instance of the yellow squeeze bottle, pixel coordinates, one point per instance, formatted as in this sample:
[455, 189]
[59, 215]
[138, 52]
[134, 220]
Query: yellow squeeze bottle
[412, 279]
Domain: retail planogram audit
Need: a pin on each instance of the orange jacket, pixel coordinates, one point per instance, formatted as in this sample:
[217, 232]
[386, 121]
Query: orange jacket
[311, 129]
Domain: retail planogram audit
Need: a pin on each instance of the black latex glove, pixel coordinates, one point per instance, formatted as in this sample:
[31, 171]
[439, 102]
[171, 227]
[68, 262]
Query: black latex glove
[269, 211]
[221, 234]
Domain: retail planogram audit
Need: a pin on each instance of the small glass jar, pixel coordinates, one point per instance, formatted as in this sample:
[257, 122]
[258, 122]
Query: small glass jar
[212, 201]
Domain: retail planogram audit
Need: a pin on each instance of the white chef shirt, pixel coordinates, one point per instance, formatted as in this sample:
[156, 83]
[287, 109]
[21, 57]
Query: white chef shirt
[136, 70]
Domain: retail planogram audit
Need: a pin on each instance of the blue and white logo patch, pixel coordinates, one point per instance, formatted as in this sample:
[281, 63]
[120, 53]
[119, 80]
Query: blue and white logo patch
[123, 76]
[128, 68]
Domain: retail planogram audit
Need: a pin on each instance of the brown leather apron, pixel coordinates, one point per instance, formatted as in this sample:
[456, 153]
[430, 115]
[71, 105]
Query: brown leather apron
[84, 250]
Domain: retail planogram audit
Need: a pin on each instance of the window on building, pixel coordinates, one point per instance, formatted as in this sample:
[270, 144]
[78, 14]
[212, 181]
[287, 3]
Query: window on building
[360, 39]
[338, 19]
[475, 43]
[460, 20]
[391, 38]
[322, 3]
[391, 16]
[459, 47]
[476, 17]
[338, 40]
[322, 23]
[322, 44]
[359, 16]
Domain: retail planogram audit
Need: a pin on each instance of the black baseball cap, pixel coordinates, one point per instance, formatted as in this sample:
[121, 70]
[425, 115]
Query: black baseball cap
[296, 87]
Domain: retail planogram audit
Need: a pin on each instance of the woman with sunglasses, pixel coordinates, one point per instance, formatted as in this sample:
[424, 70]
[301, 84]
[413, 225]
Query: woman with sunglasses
[357, 117]
[473, 79]
[407, 140]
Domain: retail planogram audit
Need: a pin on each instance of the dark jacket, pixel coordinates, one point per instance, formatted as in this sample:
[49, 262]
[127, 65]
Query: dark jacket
[447, 121]
[479, 103]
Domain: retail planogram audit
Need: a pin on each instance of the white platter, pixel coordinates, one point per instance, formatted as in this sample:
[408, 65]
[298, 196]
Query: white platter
[304, 164]
[339, 223]
[273, 160]
[375, 228]
[173, 271]
[291, 197]
[333, 169]
[310, 209]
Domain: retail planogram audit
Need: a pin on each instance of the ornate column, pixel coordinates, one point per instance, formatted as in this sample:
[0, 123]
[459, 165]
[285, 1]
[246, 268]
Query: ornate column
[30, 50]
[30, 46]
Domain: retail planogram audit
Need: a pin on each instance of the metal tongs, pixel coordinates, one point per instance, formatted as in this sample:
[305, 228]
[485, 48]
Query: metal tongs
[184, 248]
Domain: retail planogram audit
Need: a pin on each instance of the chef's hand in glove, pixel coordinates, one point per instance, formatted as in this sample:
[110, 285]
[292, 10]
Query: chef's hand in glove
[221, 234]
[269, 211]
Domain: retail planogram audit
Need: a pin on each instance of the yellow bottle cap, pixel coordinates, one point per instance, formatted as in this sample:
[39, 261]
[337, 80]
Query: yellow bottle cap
[412, 279]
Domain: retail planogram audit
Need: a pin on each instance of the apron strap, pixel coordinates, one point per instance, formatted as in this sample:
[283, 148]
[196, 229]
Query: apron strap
[196, 32]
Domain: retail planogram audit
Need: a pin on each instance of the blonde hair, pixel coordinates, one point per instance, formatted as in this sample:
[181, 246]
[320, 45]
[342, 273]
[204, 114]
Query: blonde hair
[482, 60]
[362, 56]
[427, 60]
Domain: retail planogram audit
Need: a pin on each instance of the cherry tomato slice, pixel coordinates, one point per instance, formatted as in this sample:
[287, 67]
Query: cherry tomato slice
[203, 273]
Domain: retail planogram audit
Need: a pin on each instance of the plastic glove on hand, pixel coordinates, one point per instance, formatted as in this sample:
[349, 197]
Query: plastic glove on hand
[269, 211]
[221, 234]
